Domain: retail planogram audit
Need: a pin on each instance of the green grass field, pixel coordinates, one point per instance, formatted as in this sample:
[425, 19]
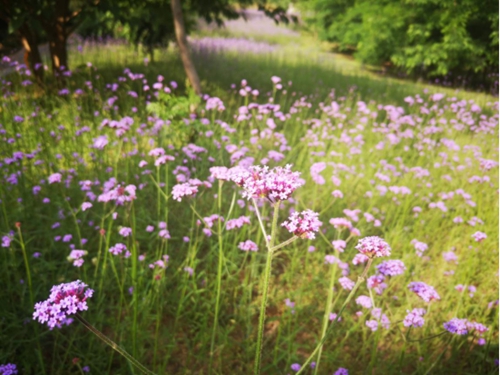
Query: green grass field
[416, 168]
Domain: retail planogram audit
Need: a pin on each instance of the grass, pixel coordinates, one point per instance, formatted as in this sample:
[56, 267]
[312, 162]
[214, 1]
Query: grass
[164, 317]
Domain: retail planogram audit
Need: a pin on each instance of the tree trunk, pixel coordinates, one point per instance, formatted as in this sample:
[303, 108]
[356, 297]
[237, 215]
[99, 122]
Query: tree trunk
[180, 33]
[33, 59]
[57, 33]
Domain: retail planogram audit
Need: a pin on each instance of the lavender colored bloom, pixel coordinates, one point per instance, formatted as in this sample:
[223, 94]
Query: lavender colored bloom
[248, 245]
[8, 369]
[100, 142]
[391, 268]
[479, 236]
[6, 240]
[183, 190]
[414, 318]
[424, 291]
[373, 247]
[117, 249]
[55, 177]
[457, 326]
[364, 301]
[346, 283]
[86, 206]
[377, 283]
[237, 223]
[303, 224]
[339, 245]
[220, 173]
[76, 256]
[67, 238]
[64, 300]
[276, 184]
[295, 367]
[341, 371]
[125, 231]
[340, 223]
[164, 234]
[372, 324]
[150, 228]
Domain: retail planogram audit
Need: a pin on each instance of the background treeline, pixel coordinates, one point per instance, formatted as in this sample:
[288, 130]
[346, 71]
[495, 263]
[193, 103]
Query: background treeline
[451, 40]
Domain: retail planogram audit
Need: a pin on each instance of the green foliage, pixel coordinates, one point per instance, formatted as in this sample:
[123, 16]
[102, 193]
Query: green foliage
[424, 37]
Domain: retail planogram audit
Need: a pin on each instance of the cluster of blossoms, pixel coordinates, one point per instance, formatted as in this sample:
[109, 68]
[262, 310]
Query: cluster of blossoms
[118, 249]
[391, 267]
[414, 318]
[161, 263]
[188, 188]
[119, 194]
[65, 299]
[373, 247]
[8, 369]
[463, 326]
[420, 247]
[379, 318]
[303, 224]
[248, 245]
[424, 291]
[76, 256]
[237, 223]
[479, 236]
[275, 184]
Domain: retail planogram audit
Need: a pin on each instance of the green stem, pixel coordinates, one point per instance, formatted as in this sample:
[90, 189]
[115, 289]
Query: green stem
[219, 276]
[283, 244]
[326, 317]
[360, 280]
[267, 276]
[113, 345]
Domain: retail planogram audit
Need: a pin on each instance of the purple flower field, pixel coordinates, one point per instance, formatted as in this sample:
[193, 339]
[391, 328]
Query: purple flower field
[248, 230]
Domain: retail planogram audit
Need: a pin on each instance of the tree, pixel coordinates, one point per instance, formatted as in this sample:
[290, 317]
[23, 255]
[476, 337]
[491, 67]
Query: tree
[421, 37]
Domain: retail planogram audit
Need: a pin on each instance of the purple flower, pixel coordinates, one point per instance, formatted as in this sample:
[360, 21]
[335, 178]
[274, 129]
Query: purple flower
[339, 245]
[183, 190]
[248, 245]
[276, 184]
[341, 371]
[391, 268]
[373, 247]
[340, 223]
[6, 240]
[237, 223]
[100, 142]
[125, 231]
[86, 206]
[117, 249]
[457, 326]
[55, 177]
[479, 236]
[346, 283]
[150, 228]
[364, 301]
[303, 224]
[76, 256]
[64, 300]
[414, 318]
[8, 369]
[295, 367]
[424, 291]
[164, 234]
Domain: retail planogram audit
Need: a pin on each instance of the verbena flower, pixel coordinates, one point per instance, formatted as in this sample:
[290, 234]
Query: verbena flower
[457, 326]
[340, 223]
[414, 318]
[391, 267]
[479, 236]
[341, 371]
[303, 224]
[8, 369]
[373, 247]
[183, 190]
[424, 291]
[64, 300]
[275, 184]
[248, 245]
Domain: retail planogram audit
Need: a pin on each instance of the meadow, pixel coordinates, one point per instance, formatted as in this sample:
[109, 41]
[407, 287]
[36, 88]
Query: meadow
[111, 178]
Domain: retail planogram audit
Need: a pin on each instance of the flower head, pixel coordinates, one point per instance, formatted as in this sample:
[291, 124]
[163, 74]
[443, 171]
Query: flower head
[64, 300]
[414, 318]
[424, 291]
[391, 267]
[457, 326]
[8, 369]
[303, 224]
[373, 247]
[275, 184]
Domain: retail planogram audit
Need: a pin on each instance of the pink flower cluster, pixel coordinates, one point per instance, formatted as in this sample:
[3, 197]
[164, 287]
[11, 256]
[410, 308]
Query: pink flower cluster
[65, 299]
[275, 184]
[303, 224]
[373, 247]
[463, 326]
[414, 318]
[424, 291]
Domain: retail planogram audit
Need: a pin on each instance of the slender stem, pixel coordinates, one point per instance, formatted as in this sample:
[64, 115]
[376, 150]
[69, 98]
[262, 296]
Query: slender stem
[113, 345]
[261, 223]
[361, 279]
[267, 276]
[326, 317]
[283, 244]
[219, 276]
[26, 264]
